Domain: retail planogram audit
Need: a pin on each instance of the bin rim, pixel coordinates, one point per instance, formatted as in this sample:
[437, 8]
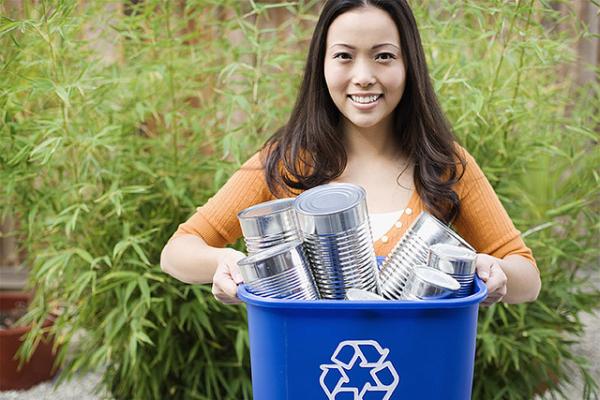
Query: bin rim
[476, 298]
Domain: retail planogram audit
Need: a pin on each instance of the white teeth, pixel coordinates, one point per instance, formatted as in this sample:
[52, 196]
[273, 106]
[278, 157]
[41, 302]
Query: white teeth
[364, 99]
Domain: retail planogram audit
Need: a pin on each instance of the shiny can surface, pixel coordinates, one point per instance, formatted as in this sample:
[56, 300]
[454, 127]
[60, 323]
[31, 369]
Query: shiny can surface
[412, 250]
[337, 236]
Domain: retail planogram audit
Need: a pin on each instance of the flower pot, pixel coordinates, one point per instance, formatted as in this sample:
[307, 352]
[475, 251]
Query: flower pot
[40, 367]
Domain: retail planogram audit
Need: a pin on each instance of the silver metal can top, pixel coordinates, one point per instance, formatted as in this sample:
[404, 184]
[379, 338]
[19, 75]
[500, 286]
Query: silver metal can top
[452, 259]
[272, 261]
[331, 209]
[452, 252]
[437, 278]
[268, 218]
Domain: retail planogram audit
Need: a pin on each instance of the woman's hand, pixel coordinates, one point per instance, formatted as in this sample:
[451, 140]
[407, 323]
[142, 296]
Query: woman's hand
[490, 272]
[227, 277]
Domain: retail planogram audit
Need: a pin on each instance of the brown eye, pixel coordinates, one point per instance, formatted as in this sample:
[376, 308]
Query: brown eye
[343, 56]
[385, 56]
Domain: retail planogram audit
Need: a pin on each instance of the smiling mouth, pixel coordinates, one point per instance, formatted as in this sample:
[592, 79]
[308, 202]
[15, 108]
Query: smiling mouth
[365, 99]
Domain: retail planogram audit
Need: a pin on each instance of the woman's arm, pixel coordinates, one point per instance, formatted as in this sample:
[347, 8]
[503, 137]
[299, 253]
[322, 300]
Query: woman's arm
[513, 279]
[189, 259]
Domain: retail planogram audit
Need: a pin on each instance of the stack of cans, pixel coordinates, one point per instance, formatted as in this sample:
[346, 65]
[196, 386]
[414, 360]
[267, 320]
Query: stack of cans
[334, 222]
[319, 245]
[426, 283]
[413, 250]
[457, 261]
[282, 271]
[268, 224]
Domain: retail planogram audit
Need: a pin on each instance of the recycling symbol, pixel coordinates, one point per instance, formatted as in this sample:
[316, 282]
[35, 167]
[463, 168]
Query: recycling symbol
[360, 371]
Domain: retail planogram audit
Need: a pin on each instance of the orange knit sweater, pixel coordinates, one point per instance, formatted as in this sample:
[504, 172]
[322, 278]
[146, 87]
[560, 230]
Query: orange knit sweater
[483, 222]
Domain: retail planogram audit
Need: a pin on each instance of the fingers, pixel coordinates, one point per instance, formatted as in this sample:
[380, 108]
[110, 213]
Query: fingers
[496, 285]
[483, 268]
[236, 275]
[225, 290]
[490, 271]
[226, 279]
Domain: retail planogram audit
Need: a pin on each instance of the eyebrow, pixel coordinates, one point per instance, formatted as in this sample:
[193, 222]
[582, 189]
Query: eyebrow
[372, 48]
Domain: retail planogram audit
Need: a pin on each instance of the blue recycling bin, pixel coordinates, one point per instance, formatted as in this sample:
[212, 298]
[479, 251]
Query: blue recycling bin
[362, 350]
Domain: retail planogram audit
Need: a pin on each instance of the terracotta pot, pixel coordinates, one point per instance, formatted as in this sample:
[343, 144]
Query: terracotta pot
[39, 367]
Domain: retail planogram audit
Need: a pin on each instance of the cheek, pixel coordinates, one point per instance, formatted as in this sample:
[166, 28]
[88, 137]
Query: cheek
[394, 81]
[334, 80]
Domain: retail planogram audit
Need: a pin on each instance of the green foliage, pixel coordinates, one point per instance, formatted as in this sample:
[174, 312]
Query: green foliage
[500, 76]
[102, 159]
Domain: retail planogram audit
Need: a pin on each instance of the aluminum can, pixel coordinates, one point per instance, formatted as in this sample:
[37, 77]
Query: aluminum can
[457, 261]
[281, 271]
[334, 222]
[426, 283]
[412, 250]
[270, 223]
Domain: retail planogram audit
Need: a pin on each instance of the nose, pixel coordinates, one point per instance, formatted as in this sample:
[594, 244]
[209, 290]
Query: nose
[363, 75]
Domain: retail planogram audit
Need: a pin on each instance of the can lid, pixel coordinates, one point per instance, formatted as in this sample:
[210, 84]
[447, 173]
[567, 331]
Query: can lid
[436, 277]
[272, 261]
[270, 252]
[268, 218]
[331, 208]
[330, 199]
[267, 208]
[449, 251]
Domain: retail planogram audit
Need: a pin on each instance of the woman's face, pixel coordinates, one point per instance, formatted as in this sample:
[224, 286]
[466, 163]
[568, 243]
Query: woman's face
[364, 70]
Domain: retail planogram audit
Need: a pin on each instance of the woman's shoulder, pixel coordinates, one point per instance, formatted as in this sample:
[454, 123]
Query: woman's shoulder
[462, 154]
[468, 171]
[255, 161]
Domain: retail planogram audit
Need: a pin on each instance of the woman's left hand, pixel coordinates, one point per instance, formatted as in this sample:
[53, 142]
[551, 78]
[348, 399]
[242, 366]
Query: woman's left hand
[490, 272]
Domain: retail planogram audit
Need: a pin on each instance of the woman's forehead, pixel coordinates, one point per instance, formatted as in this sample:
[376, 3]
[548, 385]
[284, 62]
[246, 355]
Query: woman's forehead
[363, 28]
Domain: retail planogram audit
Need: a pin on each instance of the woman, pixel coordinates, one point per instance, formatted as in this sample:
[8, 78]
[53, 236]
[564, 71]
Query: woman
[366, 114]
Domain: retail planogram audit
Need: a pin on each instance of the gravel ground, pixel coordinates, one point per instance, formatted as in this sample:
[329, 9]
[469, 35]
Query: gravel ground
[80, 388]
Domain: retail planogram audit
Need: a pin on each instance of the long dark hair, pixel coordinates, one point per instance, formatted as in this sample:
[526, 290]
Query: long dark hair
[309, 151]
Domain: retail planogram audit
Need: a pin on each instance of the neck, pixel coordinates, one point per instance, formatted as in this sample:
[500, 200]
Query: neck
[376, 141]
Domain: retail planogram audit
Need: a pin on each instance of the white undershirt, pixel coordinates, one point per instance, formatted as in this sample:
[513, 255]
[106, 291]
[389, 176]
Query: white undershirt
[382, 222]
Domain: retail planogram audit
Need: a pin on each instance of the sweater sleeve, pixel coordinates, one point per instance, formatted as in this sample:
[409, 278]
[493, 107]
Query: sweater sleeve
[483, 221]
[216, 221]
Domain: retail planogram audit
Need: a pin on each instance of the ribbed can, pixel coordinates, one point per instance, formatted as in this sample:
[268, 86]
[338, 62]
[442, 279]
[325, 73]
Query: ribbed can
[268, 224]
[456, 261]
[281, 271]
[334, 222]
[412, 250]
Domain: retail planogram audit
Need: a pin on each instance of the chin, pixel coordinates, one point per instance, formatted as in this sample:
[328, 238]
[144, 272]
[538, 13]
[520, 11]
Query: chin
[364, 124]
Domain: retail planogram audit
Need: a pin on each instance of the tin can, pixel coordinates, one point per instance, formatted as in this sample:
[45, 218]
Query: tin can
[426, 283]
[413, 250]
[334, 222]
[268, 224]
[458, 262]
[281, 271]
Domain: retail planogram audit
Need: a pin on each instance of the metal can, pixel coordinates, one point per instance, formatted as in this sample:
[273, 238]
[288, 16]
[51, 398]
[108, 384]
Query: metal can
[413, 250]
[426, 283]
[334, 222]
[268, 224]
[458, 262]
[281, 271]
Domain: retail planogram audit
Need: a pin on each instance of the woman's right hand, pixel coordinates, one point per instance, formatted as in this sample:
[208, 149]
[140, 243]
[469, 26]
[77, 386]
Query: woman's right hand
[227, 277]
